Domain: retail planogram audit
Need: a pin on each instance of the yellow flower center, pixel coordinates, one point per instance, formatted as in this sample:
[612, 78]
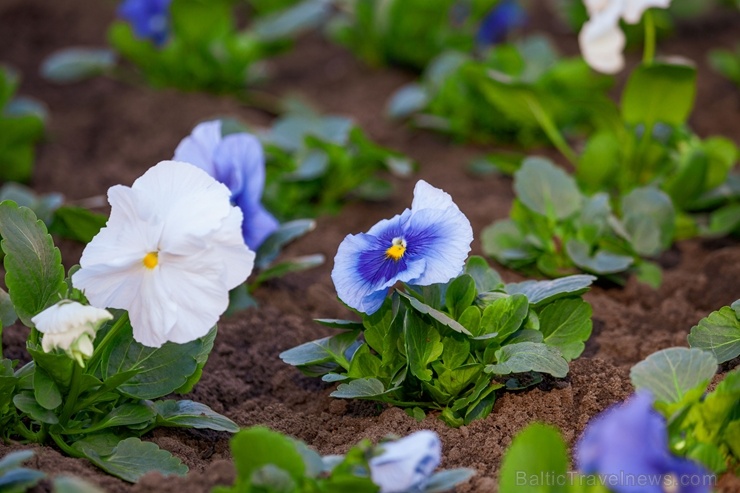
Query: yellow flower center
[151, 260]
[396, 250]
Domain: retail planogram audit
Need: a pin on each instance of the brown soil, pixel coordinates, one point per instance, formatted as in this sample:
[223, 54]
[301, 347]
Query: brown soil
[103, 132]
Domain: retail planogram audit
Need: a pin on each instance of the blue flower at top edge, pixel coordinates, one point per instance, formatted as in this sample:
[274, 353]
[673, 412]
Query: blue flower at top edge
[424, 245]
[627, 445]
[502, 19]
[238, 162]
[149, 18]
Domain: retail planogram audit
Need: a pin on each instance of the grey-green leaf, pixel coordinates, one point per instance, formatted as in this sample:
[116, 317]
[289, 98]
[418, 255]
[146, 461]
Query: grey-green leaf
[486, 278]
[541, 292]
[546, 189]
[287, 232]
[649, 218]
[132, 458]
[408, 100]
[600, 262]
[71, 484]
[718, 333]
[672, 372]
[523, 357]
[447, 480]
[33, 265]
[76, 64]
[191, 414]
[362, 388]
[435, 314]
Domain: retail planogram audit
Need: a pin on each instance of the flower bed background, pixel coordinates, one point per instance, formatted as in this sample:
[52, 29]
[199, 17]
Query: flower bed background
[103, 132]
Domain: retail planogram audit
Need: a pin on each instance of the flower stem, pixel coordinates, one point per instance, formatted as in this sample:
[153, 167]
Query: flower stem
[95, 358]
[648, 55]
[551, 130]
[74, 393]
[66, 448]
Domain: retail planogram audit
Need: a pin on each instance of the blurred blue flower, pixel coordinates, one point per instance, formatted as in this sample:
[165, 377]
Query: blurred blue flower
[427, 244]
[149, 18]
[627, 445]
[502, 19]
[238, 162]
[406, 464]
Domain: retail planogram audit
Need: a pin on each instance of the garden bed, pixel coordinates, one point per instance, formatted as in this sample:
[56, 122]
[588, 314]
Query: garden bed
[104, 132]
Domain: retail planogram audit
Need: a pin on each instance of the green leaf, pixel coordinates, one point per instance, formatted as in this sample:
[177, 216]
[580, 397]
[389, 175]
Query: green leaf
[423, 346]
[319, 352]
[160, 371]
[33, 265]
[269, 250]
[600, 262]
[127, 414]
[504, 241]
[77, 223]
[7, 312]
[529, 356]
[57, 365]
[542, 292]
[546, 189]
[659, 92]
[71, 484]
[669, 374]
[362, 388]
[189, 414]
[504, 316]
[45, 390]
[538, 451]
[460, 295]
[257, 447]
[206, 346]
[718, 333]
[709, 455]
[649, 218]
[335, 323]
[566, 325]
[486, 279]
[26, 403]
[435, 314]
[649, 273]
[132, 458]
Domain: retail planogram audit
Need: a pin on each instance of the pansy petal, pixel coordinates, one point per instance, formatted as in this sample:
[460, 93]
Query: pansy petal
[633, 9]
[428, 197]
[258, 223]
[227, 249]
[602, 45]
[198, 148]
[240, 165]
[442, 238]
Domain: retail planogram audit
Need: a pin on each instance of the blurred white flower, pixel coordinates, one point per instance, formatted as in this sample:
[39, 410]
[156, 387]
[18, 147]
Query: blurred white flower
[406, 464]
[169, 254]
[71, 327]
[601, 39]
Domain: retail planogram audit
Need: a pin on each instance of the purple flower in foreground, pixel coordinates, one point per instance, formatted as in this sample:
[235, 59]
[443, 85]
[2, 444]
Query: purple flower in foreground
[406, 464]
[425, 245]
[505, 17]
[238, 162]
[149, 18]
[627, 445]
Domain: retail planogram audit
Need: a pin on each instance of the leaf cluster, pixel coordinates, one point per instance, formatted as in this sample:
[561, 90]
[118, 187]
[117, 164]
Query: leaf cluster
[22, 123]
[649, 144]
[315, 162]
[17, 479]
[269, 462]
[511, 94]
[408, 33]
[98, 412]
[450, 347]
[554, 228]
[704, 427]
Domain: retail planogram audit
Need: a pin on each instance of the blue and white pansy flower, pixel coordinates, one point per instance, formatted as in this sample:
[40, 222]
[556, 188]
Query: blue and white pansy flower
[406, 464]
[424, 245]
[238, 161]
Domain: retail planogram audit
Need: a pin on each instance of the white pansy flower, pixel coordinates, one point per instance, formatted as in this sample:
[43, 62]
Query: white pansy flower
[169, 254]
[406, 464]
[601, 39]
[71, 327]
